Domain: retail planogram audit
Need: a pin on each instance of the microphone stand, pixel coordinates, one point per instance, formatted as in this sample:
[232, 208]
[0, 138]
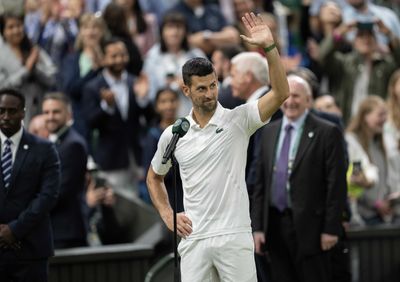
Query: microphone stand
[177, 273]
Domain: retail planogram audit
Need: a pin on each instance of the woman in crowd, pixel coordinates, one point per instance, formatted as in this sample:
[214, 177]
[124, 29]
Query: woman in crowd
[392, 141]
[166, 106]
[392, 126]
[367, 152]
[142, 26]
[84, 64]
[24, 65]
[164, 61]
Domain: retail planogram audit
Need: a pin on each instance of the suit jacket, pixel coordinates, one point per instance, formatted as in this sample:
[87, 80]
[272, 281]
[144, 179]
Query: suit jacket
[317, 182]
[73, 85]
[72, 150]
[226, 99]
[116, 136]
[33, 191]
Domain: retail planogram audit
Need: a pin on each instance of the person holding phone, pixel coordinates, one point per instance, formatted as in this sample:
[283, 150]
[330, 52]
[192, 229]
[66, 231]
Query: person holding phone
[366, 69]
[368, 156]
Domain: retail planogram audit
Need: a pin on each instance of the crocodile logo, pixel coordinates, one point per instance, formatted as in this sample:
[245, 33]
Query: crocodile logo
[218, 130]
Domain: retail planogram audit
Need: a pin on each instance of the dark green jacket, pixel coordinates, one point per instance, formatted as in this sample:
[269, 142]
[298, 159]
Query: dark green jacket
[343, 70]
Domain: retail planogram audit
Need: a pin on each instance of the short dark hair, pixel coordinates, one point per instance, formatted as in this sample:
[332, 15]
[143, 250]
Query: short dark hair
[196, 66]
[14, 92]
[59, 96]
[165, 89]
[230, 51]
[109, 41]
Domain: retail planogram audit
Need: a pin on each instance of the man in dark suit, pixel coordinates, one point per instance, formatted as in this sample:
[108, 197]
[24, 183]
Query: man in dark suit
[30, 180]
[113, 106]
[71, 148]
[250, 81]
[300, 191]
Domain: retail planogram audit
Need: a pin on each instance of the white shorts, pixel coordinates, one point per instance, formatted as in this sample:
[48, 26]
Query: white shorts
[219, 258]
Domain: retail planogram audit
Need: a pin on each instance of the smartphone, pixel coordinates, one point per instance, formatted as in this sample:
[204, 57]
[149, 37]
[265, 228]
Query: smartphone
[357, 167]
[369, 25]
[100, 182]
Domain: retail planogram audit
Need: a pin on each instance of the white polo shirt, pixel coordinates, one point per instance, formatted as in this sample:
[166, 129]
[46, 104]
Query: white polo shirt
[212, 163]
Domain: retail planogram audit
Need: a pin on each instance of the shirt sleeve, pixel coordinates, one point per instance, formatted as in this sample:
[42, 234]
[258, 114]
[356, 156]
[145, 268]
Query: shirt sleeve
[158, 167]
[248, 117]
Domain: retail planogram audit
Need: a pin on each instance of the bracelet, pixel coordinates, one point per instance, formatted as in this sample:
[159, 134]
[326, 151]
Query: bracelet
[269, 48]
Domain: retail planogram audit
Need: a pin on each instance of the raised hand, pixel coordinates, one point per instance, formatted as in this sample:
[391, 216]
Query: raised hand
[108, 96]
[260, 34]
[141, 86]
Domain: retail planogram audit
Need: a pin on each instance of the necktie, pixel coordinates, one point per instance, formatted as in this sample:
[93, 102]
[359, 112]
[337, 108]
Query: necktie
[6, 163]
[281, 173]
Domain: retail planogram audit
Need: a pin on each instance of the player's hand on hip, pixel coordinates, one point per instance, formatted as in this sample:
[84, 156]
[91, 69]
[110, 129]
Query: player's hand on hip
[259, 32]
[328, 241]
[183, 224]
[259, 241]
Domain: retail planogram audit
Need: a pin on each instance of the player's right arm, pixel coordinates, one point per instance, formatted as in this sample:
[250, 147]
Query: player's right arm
[159, 197]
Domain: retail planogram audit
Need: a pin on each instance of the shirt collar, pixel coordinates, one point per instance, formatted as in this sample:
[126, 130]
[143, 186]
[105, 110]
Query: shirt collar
[215, 119]
[54, 137]
[258, 93]
[16, 138]
[111, 80]
[297, 123]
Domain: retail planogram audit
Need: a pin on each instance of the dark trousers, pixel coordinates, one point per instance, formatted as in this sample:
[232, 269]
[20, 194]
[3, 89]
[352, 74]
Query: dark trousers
[286, 263]
[17, 270]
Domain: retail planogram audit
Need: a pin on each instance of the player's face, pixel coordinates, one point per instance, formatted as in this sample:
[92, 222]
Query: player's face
[203, 92]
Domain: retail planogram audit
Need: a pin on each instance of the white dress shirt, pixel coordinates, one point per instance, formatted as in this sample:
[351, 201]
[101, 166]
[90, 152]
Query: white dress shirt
[15, 140]
[120, 88]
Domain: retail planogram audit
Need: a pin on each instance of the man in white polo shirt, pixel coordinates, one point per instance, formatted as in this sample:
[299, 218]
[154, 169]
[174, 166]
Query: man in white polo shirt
[215, 228]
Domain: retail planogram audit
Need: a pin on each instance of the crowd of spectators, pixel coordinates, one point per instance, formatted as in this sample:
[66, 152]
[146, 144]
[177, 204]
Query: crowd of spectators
[119, 63]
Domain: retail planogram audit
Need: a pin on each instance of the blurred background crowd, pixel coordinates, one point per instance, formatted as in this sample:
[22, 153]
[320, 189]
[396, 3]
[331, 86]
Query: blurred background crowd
[119, 62]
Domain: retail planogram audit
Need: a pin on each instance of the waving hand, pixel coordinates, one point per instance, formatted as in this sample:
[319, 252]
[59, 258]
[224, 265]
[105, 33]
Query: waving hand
[260, 34]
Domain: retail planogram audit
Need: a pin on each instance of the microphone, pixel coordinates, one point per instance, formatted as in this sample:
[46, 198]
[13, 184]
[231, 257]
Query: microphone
[179, 129]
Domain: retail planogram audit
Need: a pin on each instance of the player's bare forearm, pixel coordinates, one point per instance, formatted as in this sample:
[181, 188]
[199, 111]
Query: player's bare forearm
[159, 195]
[261, 36]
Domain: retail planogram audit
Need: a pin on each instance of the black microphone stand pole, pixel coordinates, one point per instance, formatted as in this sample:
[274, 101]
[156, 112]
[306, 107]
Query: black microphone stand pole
[177, 273]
